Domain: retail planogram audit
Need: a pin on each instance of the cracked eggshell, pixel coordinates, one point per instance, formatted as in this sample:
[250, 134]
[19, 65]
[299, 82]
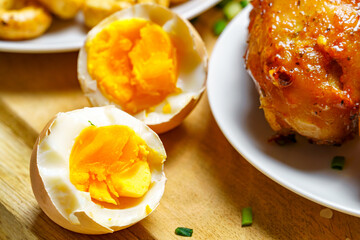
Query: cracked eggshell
[58, 197]
[193, 67]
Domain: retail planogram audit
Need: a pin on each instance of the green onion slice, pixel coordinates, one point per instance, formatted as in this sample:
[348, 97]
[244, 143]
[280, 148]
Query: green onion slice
[91, 123]
[338, 163]
[246, 216]
[219, 26]
[185, 232]
[244, 3]
[223, 3]
[231, 9]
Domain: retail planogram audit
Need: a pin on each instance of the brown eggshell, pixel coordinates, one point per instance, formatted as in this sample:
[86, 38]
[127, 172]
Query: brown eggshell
[158, 15]
[86, 223]
[43, 198]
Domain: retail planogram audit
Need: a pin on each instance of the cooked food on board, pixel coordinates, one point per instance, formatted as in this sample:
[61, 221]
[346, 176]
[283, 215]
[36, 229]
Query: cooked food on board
[22, 19]
[304, 58]
[147, 61]
[97, 10]
[65, 9]
[97, 170]
[26, 19]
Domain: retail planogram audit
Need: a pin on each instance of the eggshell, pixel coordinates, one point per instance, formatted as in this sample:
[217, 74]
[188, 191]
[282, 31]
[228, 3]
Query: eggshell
[192, 68]
[76, 211]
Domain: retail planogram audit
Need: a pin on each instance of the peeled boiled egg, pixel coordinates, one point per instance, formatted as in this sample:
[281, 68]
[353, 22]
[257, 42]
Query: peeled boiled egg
[147, 61]
[97, 170]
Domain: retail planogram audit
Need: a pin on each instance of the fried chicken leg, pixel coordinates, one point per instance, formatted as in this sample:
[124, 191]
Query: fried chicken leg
[304, 56]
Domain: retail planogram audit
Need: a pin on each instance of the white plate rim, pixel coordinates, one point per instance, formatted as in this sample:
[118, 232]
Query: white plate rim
[247, 155]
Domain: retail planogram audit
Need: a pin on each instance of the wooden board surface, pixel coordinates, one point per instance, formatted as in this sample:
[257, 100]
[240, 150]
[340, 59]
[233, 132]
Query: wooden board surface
[208, 181]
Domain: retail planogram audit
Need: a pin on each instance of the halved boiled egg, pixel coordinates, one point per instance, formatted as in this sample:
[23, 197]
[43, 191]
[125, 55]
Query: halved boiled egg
[147, 61]
[97, 170]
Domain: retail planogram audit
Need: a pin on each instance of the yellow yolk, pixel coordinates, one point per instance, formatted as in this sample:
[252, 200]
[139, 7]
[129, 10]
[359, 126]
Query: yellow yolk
[167, 108]
[134, 62]
[110, 162]
[148, 209]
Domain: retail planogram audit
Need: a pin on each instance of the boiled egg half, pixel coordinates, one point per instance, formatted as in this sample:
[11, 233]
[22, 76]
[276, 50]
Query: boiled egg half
[97, 170]
[147, 61]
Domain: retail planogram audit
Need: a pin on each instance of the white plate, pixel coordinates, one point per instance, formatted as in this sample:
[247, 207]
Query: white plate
[303, 168]
[66, 36]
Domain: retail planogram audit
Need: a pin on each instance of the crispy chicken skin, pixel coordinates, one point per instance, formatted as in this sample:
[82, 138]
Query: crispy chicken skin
[304, 56]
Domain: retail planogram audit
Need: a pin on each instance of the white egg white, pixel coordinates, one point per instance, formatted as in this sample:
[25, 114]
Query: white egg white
[192, 67]
[58, 197]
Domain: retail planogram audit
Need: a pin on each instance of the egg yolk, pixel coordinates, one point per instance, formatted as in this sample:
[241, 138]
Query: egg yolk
[110, 162]
[134, 62]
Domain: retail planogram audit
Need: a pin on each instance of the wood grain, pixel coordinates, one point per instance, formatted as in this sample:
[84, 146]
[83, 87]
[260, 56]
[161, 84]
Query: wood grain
[208, 181]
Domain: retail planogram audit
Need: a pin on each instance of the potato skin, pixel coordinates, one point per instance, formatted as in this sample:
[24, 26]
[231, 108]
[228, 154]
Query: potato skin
[23, 19]
[304, 57]
[64, 9]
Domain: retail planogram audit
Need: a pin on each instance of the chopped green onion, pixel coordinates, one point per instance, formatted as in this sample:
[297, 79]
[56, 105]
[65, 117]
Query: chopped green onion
[223, 3]
[246, 216]
[338, 163]
[219, 26]
[91, 123]
[231, 9]
[185, 232]
[244, 3]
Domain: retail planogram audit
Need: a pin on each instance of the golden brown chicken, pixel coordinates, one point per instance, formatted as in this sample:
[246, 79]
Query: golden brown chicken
[304, 56]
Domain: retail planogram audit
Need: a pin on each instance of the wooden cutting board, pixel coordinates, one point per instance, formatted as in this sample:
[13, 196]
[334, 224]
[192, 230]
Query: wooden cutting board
[208, 181]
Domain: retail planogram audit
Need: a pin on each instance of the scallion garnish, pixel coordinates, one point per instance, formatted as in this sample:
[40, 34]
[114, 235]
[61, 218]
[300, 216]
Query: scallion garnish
[223, 3]
[219, 26]
[338, 163]
[231, 9]
[246, 216]
[244, 3]
[185, 232]
[91, 123]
